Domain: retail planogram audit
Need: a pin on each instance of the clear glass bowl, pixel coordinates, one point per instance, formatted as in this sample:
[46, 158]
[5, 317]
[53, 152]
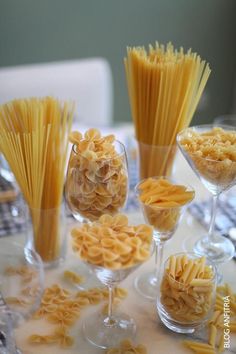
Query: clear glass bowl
[181, 307]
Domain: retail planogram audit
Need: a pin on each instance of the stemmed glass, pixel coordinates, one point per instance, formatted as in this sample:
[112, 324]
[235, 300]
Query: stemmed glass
[94, 188]
[106, 331]
[217, 176]
[165, 221]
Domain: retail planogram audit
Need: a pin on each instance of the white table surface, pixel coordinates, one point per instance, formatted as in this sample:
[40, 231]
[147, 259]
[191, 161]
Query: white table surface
[150, 331]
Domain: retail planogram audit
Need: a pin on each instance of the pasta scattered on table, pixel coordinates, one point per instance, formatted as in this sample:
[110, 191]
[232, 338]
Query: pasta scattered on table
[127, 347]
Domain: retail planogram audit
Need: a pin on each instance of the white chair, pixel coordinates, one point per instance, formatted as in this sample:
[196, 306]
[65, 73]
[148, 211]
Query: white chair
[88, 82]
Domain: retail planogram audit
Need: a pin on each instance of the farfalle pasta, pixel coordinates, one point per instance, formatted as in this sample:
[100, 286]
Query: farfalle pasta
[127, 347]
[161, 200]
[213, 153]
[187, 289]
[112, 243]
[97, 177]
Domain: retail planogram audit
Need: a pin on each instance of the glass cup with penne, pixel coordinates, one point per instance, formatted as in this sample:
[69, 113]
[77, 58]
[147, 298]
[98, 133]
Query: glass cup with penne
[186, 294]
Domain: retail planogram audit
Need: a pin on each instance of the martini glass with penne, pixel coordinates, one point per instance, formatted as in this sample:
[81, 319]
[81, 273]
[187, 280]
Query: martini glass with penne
[163, 204]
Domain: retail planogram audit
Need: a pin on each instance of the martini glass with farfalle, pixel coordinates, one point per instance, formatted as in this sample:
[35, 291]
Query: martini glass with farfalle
[163, 204]
[112, 250]
[211, 153]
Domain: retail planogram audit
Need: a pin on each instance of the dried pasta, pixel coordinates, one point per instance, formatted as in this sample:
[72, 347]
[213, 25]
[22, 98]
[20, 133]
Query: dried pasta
[97, 179]
[127, 347]
[186, 296]
[165, 86]
[111, 243]
[161, 201]
[73, 277]
[62, 308]
[33, 139]
[213, 153]
[216, 324]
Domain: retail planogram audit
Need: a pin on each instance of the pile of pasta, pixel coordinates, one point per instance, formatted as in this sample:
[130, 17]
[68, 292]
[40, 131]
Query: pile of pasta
[213, 153]
[161, 201]
[34, 139]
[217, 324]
[187, 289]
[97, 178]
[165, 85]
[27, 286]
[127, 347]
[112, 243]
[62, 308]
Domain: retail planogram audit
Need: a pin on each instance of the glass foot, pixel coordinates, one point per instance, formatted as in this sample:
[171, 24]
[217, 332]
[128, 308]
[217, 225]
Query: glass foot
[175, 326]
[221, 251]
[104, 335]
[146, 285]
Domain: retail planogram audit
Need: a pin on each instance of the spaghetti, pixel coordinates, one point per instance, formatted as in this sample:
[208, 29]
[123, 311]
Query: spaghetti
[34, 138]
[165, 86]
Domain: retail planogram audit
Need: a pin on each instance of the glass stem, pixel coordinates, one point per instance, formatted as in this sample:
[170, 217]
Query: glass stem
[158, 258]
[109, 321]
[213, 217]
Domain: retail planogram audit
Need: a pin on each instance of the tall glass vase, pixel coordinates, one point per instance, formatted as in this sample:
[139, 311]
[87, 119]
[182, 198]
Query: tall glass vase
[46, 234]
[155, 160]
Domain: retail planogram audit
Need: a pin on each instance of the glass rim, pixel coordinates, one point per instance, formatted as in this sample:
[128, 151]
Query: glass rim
[190, 189]
[194, 256]
[123, 153]
[178, 138]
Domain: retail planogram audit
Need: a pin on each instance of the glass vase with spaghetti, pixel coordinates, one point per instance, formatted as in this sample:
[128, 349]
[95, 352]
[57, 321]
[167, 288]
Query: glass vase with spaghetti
[163, 204]
[186, 295]
[96, 183]
[34, 139]
[165, 86]
[112, 249]
[211, 153]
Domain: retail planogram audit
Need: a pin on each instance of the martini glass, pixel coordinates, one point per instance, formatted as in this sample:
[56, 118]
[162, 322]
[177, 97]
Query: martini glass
[106, 331]
[165, 221]
[94, 188]
[217, 176]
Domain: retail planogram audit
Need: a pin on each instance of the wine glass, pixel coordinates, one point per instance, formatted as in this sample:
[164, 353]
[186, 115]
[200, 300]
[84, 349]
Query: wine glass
[217, 176]
[106, 331]
[165, 221]
[96, 187]
[21, 281]
[93, 188]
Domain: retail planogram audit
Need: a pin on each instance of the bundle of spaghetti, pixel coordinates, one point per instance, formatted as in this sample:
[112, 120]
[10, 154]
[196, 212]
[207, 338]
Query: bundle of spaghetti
[34, 139]
[165, 86]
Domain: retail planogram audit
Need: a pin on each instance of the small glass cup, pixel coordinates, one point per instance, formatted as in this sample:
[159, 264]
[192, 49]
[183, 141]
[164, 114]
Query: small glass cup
[182, 307]
[156, 160]
[46, 234]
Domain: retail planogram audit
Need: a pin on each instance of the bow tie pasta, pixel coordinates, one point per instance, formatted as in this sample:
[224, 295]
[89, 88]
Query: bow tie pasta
[112, 243]
[97, 178]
